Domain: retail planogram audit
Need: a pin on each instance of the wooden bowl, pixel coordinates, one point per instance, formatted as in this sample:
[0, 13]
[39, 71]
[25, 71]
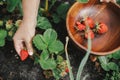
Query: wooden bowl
[109, 13]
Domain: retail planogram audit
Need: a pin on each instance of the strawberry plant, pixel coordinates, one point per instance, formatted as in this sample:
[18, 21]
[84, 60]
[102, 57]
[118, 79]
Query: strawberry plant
[111, 65]
[51, 49]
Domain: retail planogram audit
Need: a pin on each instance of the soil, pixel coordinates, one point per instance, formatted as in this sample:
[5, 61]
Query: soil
[12, 68]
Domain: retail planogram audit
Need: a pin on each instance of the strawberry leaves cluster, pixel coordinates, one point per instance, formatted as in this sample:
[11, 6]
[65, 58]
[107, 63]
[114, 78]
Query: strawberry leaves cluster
[89, 26]
[49, 52]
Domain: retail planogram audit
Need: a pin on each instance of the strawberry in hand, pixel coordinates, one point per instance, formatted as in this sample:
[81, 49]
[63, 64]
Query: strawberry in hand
[102, 28]
[23, 54]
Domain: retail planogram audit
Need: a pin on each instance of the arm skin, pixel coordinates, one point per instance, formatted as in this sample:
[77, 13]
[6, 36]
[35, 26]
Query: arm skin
[26, 31]
[108, 1]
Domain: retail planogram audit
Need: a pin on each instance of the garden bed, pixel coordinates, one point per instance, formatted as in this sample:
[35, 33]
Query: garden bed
[12, 68]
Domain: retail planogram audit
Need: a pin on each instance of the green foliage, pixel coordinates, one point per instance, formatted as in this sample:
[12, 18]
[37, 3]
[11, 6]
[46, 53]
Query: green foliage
[110, 63]
[115, 75]
[60, 12]
[51, 43]
[43, 23]
[50, 36]
[106, 61]
[118, 2]
[3, 34]
[1, 23]
[11, 4]
[83, 1]
[50, 47]
[39, 42]
[2, 42]
[48, 64]
[116, 55]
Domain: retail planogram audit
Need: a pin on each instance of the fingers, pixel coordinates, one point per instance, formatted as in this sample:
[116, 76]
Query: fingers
[108, 1]
[18, 44]
[29, 47]
[104, 0]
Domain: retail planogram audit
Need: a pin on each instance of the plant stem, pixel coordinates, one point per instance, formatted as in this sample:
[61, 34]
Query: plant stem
[46, 5]
[84, 60]
[68, 61]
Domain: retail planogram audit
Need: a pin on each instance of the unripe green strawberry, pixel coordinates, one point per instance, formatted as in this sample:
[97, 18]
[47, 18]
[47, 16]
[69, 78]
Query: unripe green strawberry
[18, 22]
[1, 23]
[9, 24]
[10, 33]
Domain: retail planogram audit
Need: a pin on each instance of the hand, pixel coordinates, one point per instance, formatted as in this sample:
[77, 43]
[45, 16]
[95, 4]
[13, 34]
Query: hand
[23, 37]
[108, 1]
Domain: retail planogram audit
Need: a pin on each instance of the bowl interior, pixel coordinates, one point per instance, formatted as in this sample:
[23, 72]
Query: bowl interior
[109, 13]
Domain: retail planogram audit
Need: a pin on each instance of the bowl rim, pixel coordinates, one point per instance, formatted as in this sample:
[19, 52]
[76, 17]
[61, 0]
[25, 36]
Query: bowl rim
[82, 47]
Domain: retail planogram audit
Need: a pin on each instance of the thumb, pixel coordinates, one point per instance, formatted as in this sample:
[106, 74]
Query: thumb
[29, 48]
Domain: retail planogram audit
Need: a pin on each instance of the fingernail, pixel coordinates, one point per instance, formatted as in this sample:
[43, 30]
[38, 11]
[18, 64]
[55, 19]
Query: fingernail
[30, 53]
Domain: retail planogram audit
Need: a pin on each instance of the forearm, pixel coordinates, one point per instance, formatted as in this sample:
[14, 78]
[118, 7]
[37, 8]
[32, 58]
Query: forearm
[30, 10]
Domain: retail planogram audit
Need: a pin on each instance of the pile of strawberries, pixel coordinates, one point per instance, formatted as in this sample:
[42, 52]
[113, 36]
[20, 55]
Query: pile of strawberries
[88, 26]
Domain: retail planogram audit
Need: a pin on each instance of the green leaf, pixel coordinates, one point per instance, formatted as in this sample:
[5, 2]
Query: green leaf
[59, 59]
[2, 43]
[116, 55]
[118, 1]
[62, 10]
[104, 62]
[50, 36]
[11, 4]
[83, 1]
[56, 18]
[43, 23]
[3, 33]
[56, 47]
[44, 55]
[112, 66]
[56, 74]
[105, 67]
[48, 64]
[52, 3]
[39, 42]
[1, 23]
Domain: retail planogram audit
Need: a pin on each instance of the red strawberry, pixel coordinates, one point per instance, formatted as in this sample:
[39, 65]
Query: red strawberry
[66, 70]
[80, 26]
[89, 21]
[102, 28]
[90, 32]
[23, 54]
[78, 23]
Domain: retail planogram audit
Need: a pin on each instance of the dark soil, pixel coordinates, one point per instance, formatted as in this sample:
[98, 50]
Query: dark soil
[12, 68]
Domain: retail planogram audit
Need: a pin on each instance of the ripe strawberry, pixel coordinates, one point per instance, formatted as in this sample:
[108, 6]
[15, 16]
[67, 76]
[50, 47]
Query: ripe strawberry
[102, 28]
[90, 32]
[89, 21]
[66, 70]
[78, 23]
[23, 54]
[80, 26]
